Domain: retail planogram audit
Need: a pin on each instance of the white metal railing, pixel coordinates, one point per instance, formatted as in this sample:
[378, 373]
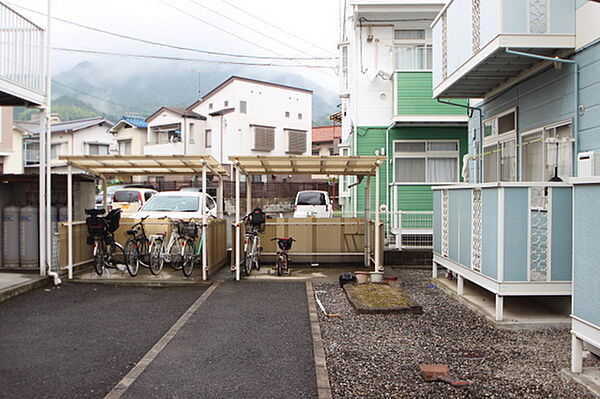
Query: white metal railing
[21, 50]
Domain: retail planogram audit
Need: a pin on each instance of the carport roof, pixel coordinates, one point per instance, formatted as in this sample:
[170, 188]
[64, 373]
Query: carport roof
[306, 165]
[130, 165]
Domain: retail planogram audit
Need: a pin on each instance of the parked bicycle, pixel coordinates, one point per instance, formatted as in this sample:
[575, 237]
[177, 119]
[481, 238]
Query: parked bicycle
[282, 264]
[107, 252]
[172, 252]
[192, 253]
[255, 224]
[139, 247]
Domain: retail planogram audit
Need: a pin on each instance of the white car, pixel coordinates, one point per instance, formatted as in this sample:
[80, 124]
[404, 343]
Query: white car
[177, 205]
[313, 203]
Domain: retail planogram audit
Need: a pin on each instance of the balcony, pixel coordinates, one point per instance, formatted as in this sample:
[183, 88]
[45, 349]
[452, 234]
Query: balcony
[22, 74]
[413, 102]
[509, 238]
[471, 38]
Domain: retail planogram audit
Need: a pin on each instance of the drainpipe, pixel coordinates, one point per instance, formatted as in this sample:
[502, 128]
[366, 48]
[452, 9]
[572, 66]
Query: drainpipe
[387, 168]
[479, 150]
[575, 94]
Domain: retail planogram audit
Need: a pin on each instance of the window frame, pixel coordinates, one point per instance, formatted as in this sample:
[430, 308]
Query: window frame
[125, 142]
[243, 107]
[254, 146]
[425, 43]
[426, 155]
[498, 139]
[207, 138]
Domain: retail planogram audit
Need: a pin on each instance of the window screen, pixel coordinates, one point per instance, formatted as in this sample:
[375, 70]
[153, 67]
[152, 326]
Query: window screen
[296, 141]
[264, 138]
[409, 34]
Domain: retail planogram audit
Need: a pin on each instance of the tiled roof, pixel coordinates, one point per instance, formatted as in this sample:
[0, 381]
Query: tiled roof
[324, 134]
[184, 113]
[137, 121]
[74, 125]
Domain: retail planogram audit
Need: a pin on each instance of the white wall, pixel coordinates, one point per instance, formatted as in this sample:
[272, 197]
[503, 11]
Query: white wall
[13, 164]
[266, 106]
[588, 28]
[189, 145]
[138, 137]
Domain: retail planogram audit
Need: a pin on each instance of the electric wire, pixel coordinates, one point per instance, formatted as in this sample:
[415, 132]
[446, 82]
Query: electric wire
[96, 97]
[172, 46]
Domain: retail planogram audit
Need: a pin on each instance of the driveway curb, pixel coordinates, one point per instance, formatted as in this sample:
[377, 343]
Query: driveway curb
[323, 386]
[21, 288]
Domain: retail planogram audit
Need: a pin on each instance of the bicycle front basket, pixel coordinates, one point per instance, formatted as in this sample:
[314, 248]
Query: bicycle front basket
[96, 226]
[285, 243]
[112, 220]
[190, 229]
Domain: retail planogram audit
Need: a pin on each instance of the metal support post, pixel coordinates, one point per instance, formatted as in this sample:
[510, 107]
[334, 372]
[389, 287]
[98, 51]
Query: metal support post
[220, 203]
[499, 307]
[248, 195]
[47, 132]
[378, 266]
[460, 285]
[367, 224]
[42, 193]
[238, 239]
[434, 273]
[576, 354]
[70, 220]
[204, 220]
[104, 193]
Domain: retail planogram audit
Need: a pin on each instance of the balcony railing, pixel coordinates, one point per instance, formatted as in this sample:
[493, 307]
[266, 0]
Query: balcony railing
[21, 52]
[506, 232]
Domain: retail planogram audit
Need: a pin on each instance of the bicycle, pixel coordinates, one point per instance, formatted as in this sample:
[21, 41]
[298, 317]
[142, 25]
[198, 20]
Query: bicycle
[192, 232]
[107, 252]
[255, 224]
[172, 253]
[139, 247]
[284, 244]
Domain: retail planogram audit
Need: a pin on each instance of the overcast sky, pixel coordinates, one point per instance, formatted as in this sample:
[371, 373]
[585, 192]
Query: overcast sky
[315, 21]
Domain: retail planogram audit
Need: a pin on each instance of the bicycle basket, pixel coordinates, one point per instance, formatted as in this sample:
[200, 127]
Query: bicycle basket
[112, 220]
[190, 229]
[285, 244]
[257, 217]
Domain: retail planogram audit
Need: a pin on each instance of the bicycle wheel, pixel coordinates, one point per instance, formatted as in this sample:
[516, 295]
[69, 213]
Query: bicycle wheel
[189, 251]
[279, 265]
[176, 253]
[132, 255]
[156, 256]
[116, 255]
[99, 256]
[257, 249]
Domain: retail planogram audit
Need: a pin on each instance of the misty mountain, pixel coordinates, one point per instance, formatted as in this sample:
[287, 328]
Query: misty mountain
[142, 87]
[67, 107]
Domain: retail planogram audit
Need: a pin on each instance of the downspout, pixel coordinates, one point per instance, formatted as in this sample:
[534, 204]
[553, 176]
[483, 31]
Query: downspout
[480, 140]
[387, 169]
[575, 95]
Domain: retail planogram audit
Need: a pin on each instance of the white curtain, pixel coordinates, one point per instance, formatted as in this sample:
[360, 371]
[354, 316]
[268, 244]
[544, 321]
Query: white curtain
[440, 170]
[533, 158]
[410, 170]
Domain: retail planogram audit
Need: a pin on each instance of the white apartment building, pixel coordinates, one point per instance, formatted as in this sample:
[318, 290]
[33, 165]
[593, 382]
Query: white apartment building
[240, 116]
[77, 137]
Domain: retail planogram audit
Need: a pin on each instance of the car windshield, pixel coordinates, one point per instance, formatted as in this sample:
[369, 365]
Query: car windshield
[311, 198]
[127, 196]
[111, 189]
[172, 203]
[193, 189]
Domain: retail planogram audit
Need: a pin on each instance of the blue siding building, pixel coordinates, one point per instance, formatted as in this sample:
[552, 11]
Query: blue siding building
[528, 222]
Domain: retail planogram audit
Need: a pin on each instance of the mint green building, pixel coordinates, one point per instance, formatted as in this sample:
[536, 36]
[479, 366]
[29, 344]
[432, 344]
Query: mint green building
[387, 108]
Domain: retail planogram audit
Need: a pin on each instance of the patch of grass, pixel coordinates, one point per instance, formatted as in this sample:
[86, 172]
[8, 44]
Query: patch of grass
[379, 296]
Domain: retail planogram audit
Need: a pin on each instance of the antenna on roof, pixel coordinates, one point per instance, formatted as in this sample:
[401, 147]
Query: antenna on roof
[199, 72]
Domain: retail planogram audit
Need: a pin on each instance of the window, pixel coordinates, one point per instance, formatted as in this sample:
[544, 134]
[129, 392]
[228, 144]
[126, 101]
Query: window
[426, 161]
[299, 116]
[412, 49]
[208, 138]
[97, 149]
[296, 141]
[344, 67]
[225, 103]
[192, 134]
[148, 195]
[315, 152]
[210, 106]
[311, 198]
[56, 151]
[124, 147]
[331, 151]
[243, 107]
[264, 138]
[546, 149]
[499, 148]
[287, 114]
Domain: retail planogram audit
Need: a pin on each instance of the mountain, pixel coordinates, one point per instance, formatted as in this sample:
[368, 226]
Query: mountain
[67, 107]
[114, 89]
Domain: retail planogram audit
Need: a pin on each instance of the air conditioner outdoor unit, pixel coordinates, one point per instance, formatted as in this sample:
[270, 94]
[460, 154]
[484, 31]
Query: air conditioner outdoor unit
[588, 164]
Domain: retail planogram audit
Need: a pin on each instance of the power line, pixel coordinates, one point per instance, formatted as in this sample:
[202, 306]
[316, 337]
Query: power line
[248, 27]
[96, 97]
[172, 46]
[168, 58]
[226, 31]
[277, 27]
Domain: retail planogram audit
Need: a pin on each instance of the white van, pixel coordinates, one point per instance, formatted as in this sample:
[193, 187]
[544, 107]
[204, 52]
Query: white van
[313, 203]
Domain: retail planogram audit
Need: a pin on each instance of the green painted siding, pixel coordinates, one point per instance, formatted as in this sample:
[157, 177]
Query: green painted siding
[414, 198]
[414, 96]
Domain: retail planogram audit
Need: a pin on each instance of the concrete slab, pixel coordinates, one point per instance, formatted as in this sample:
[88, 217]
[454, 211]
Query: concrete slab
[14, 283]
[167, 277]
[520, 313]
[320, 274]
[589, 378]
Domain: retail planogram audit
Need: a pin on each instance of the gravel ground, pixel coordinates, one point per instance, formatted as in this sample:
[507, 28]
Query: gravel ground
[377, 356]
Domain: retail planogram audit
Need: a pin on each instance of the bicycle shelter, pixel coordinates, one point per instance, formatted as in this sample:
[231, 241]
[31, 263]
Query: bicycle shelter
[360, 166]
[103, 166]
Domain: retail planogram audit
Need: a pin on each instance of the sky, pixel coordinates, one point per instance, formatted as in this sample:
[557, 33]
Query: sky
[309, 30]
